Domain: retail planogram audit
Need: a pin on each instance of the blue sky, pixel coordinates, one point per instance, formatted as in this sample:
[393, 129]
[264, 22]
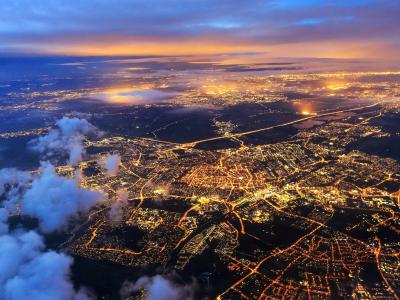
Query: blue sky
[316, 28]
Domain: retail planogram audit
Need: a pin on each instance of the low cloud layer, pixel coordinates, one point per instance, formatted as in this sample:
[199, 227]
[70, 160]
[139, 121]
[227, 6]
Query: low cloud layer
[111, 164]
[29, 272]
[54, 200]
[66, 138]
[159, 288]
[3, 221]
[116, 211]
[27, 269]
[13, 183]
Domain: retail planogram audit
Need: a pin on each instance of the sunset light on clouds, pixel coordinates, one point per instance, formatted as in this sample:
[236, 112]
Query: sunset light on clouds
[291, 28]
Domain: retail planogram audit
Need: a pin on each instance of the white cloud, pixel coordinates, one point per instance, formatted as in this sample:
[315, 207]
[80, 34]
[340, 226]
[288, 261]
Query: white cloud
[27, 270]
[116, 211]
[12, 184]
[54, 200]
[111, 164]
[3, 221]
[159, 288]
[30, 273]
[66, 138]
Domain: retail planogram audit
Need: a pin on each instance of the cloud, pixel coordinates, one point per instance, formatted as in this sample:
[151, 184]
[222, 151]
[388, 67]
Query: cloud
[3, 221]
[12, 179]
[27, 269]
[159, 288]
[29, 272]
[101, 27]
[116, 211]
[66, 138]
[130, 96]
[54, 200]
[13, 182]
[111, 164]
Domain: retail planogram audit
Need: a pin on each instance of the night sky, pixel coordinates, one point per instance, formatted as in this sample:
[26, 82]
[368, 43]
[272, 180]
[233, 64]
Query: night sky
[286, 28]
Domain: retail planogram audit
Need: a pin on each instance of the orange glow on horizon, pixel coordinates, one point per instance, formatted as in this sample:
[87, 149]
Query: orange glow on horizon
[209, 46]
